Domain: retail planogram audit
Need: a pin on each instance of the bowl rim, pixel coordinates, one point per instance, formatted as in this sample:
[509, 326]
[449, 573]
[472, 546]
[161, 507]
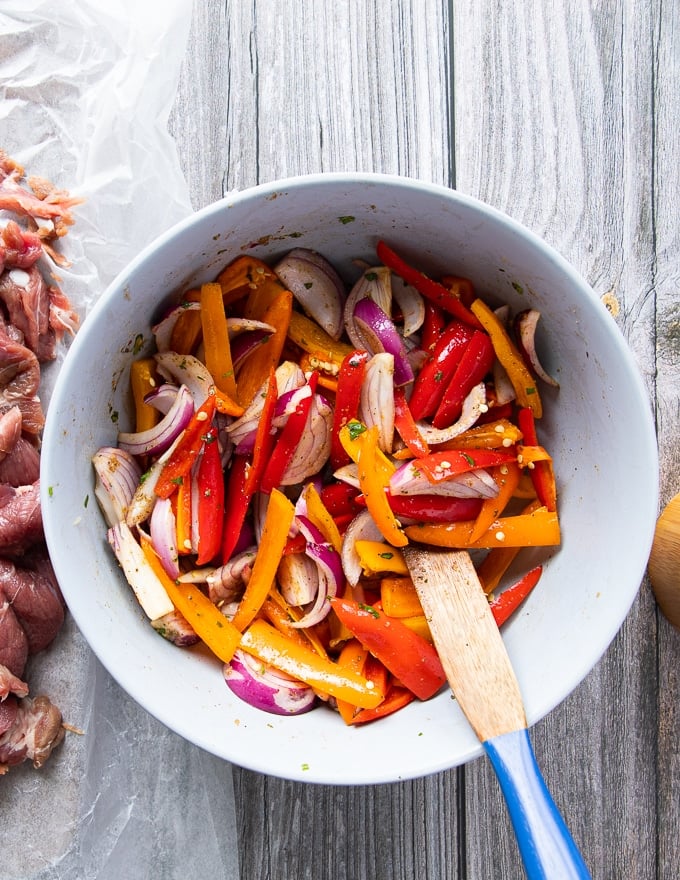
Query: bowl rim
[268, 190]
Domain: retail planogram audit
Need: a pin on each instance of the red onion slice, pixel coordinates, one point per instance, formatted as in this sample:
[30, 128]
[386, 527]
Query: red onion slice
[163, 329]
[473, 407]
[163, 530]
[314, 447]
[410, 303]
[408, 480]
[145, 585]
[187, 370]
[379, 334]
[525, 328]
[361, 528]
[117, 476]
[374, 284]
[267, 688]
[377, 398]
[162, 397]
[156, 440]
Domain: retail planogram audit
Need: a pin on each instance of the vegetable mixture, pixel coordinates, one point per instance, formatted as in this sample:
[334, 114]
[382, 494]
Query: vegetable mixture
[291, 436]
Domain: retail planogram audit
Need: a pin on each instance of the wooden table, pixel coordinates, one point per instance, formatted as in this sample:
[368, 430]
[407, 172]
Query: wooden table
[564, 115]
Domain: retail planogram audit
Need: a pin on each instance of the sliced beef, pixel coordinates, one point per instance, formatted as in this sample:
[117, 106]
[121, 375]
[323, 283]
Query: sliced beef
[10, 431]
[37, 729]
[27, 300]
[19, 382]
[20, 519]
[22, 466]
[35, 599]
[22, 247]
[8, 713]
[13, 640]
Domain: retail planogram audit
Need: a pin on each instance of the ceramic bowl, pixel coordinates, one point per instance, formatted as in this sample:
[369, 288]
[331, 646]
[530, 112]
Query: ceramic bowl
[598, 427]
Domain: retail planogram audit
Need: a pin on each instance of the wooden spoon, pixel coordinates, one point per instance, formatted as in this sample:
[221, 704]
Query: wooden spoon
[482, 679]
[664, 561]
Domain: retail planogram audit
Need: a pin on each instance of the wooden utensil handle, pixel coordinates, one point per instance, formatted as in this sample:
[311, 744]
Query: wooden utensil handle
[547, 848]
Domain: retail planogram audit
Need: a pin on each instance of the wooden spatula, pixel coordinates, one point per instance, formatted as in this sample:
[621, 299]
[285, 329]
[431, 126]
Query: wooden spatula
[482, 679]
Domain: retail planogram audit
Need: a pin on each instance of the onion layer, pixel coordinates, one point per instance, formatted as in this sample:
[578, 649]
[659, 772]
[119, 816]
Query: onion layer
[156, 440]
[267, 688]
[316, 286]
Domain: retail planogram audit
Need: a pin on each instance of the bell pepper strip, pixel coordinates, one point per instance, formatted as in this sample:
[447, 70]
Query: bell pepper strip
[373, 481]
[491, 435]
[433, 326]
[226, 405]
[506, 477]
[216, 339]
[476, 361]
[498, 560]
[350, 379]
[287, 441]
[296, 544]
[186, 333]
[340, 499]
[210, 500]
[308, 336]
[243, 277]
[431, 290]
[178, 465]
[507, 602]
[439, 466]
[352, 656]
[538, 529]
[508, 354]
[270, 646]
[396, 698]
[308, 634]
[353, 439]
[237, 498]
[182, 500]
[264, 437]
[210, 625]
[462, 287]
[407, 656]
[376, 558]
[542, 474]
[406, 426]
[434, 508]
[281, 620]
[327, 371]
[435, 375]
[277, 523]
[321, 517]
[142, 381]
[399, 597]
[418, 624]
[257, 365]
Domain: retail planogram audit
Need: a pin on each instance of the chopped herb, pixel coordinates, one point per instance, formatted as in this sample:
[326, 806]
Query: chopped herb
[305, 766]
[517, 287]
[87, 501]
[371, 610]
[438, 376]
[308, 285]
[178, 481]
[356, 429]
[371, 276]
[347, 219]
[138, 343]
[386, 555]
[531, 390]
[50, 491]
[145, 476]
[469, 459]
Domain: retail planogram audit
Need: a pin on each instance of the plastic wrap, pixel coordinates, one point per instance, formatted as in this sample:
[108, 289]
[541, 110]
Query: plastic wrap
[86, 87]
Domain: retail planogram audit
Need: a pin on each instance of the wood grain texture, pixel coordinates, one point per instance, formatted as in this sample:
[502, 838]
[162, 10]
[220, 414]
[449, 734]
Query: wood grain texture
[467, 639]
[564, 115]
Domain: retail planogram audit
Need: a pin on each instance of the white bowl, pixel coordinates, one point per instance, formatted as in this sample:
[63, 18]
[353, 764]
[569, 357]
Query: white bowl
[598, 427]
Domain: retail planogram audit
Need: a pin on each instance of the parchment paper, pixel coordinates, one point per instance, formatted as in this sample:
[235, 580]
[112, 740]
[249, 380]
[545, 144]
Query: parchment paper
[86, 87]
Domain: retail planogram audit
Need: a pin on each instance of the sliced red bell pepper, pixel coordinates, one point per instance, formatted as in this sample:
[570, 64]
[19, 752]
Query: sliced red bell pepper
[430, 289]
[435, 375]
[406, 654]
[439, 466]
[433, 326]
[340, 499]
[542, 475]
[475, 363]
[406, 426]
[396, 698]
[507, 602]
[434, 508]
[462, 287]
[264, 437]
[186, 452]
[210, 500]
[287, 441]
[348, 395]
[237, 501]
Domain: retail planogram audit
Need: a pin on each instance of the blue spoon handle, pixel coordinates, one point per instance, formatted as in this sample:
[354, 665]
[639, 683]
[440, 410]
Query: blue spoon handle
[547, 848]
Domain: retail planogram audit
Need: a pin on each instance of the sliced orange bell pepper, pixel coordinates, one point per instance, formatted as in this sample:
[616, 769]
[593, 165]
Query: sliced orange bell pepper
[376, 557]
[321, 518]
[311, 338]
[498, 560]
[506, 477]
[245, 276]
[270, 646]
[396, 698]
[399, 597]
[538, 529]
[142, 381]
[210, 625]
[186, 333]
[492, 435]
[308, 634]
[183, 517]
[374, 481]
[352, 656]
[277, 523]
[216, 339]
[509, 356]
[256, 367]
